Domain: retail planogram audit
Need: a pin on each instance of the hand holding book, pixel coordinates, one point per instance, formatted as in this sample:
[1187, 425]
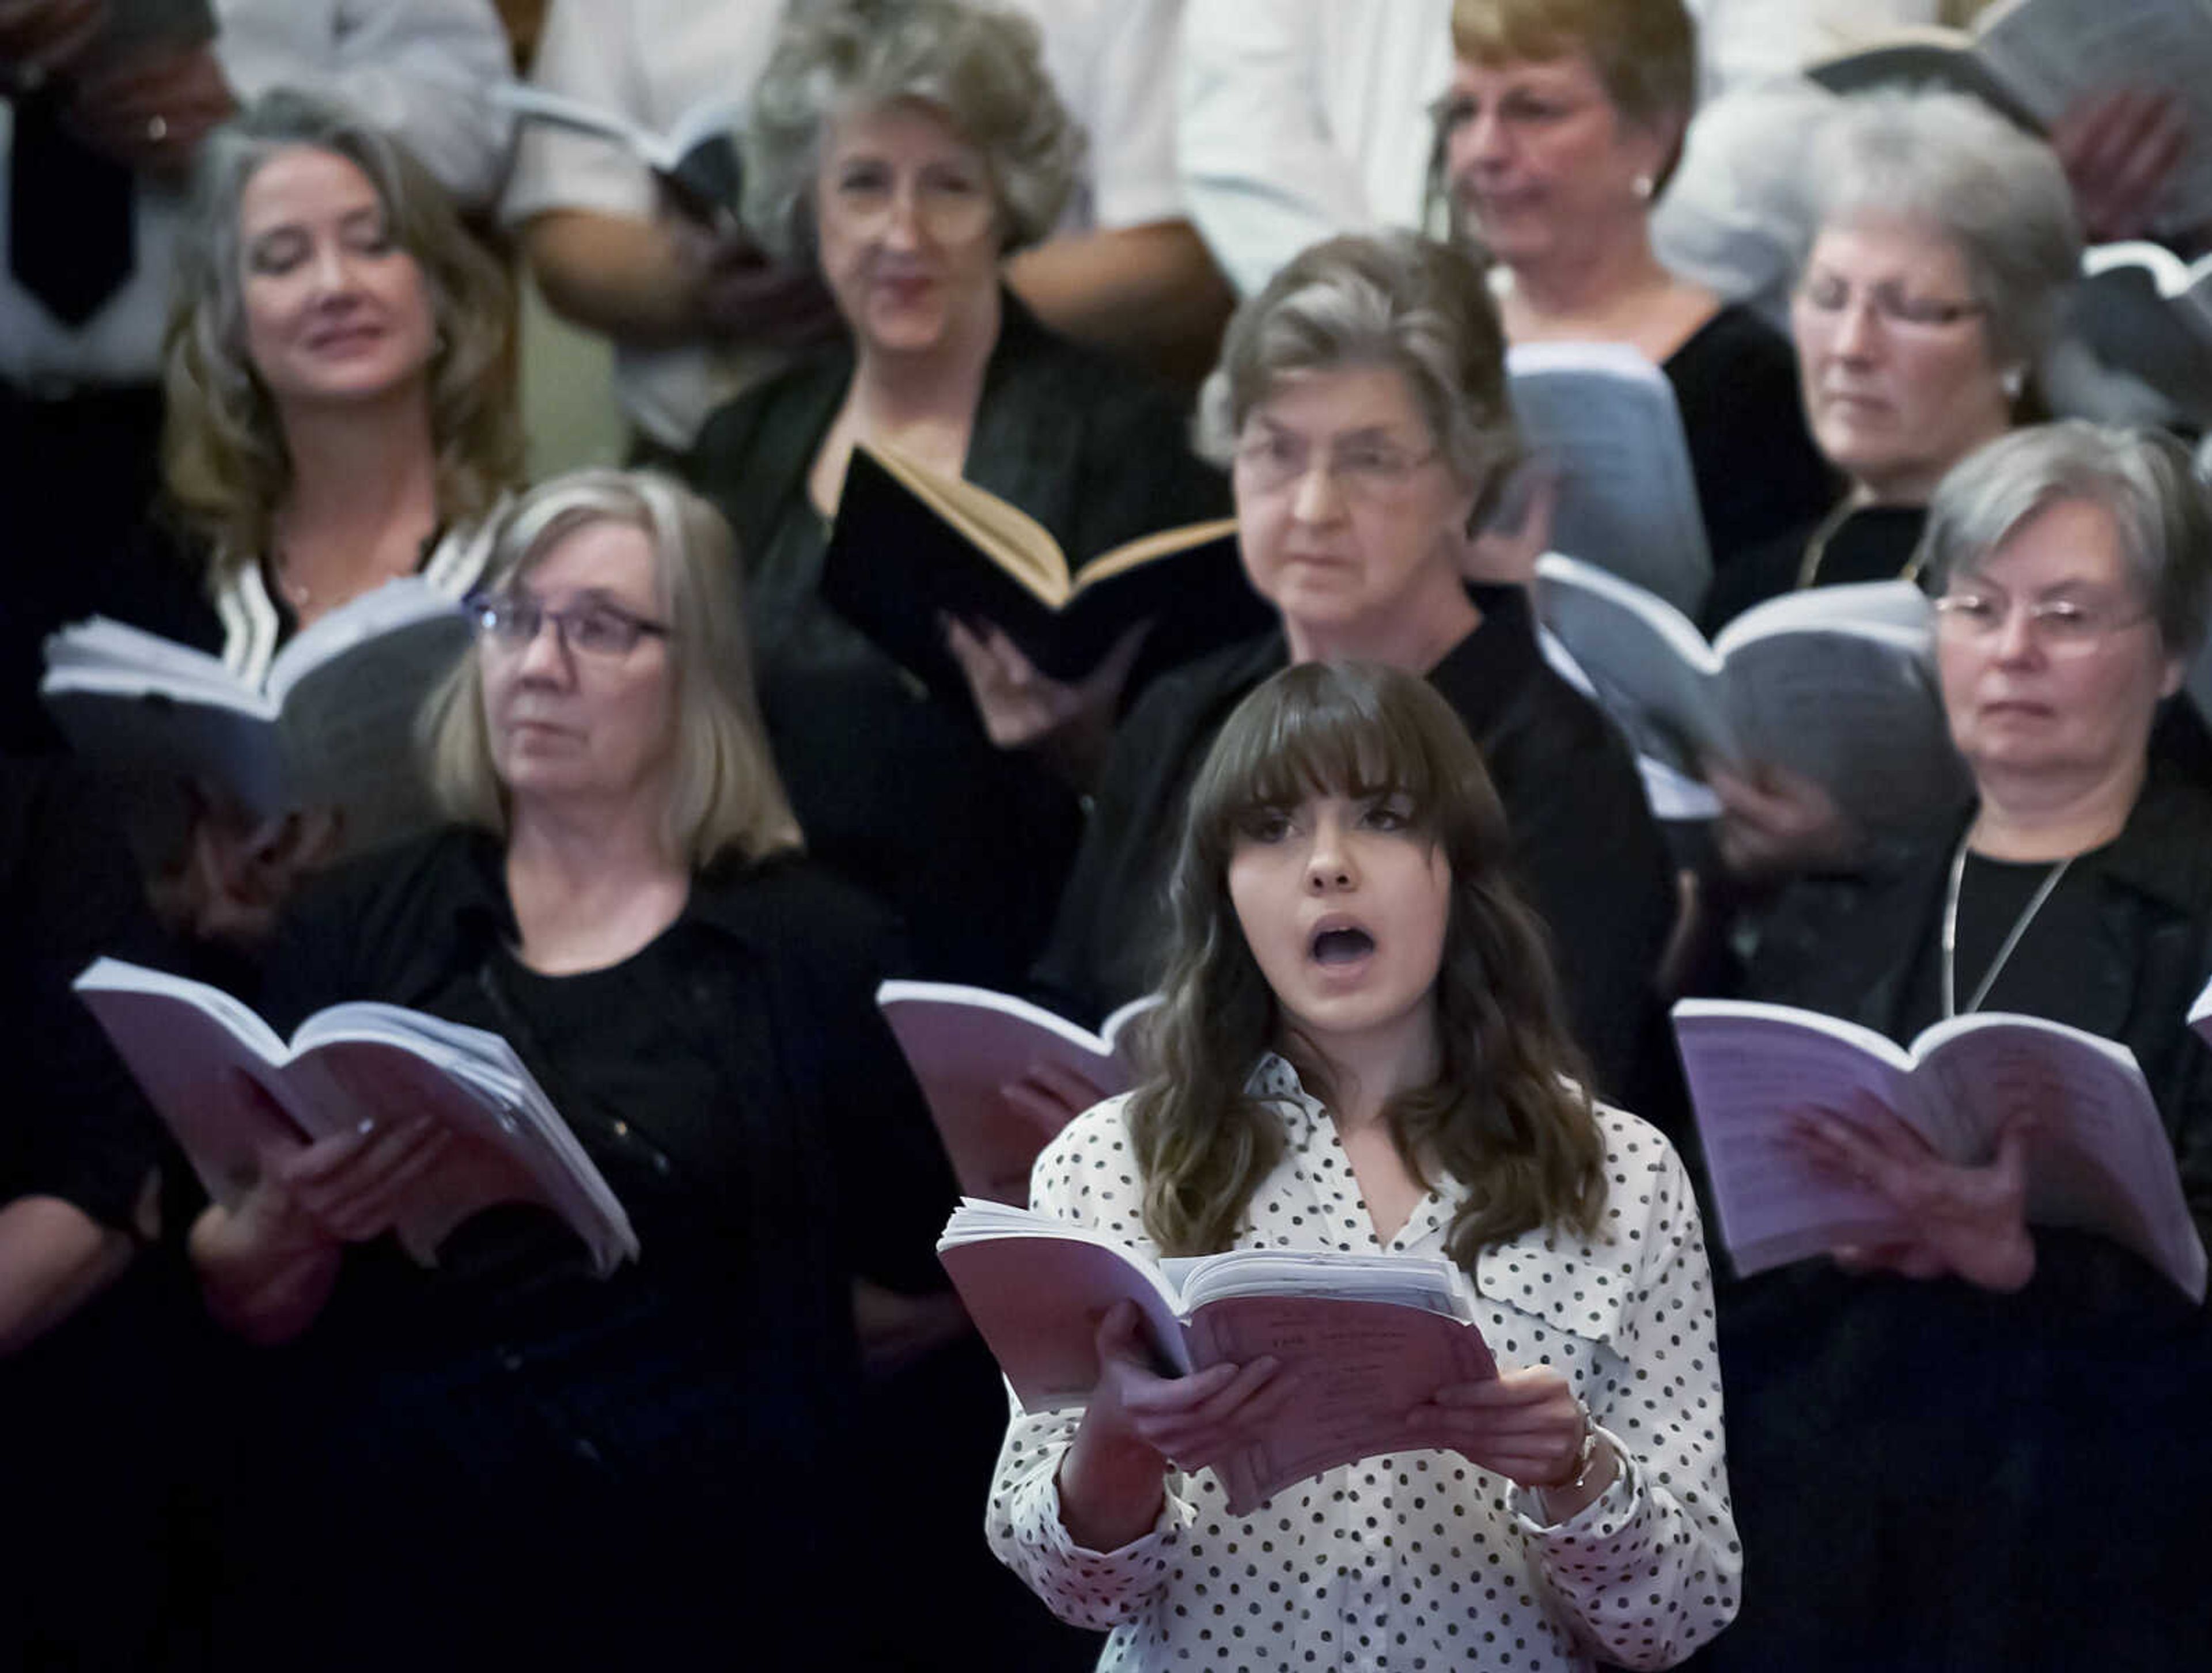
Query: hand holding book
[1071, 722]
[1138, 1424]
[1775, 823]
[1954, 1219]
[269, 1258]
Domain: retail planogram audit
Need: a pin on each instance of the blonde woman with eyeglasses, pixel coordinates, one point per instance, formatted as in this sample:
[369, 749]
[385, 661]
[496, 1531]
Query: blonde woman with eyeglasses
[508, 1457]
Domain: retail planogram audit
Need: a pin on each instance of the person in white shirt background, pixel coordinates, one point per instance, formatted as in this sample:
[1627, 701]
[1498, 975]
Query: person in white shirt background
[694, 320]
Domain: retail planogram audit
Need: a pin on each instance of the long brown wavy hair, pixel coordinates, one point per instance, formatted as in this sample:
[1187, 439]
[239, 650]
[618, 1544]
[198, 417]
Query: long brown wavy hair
[1505, 1117]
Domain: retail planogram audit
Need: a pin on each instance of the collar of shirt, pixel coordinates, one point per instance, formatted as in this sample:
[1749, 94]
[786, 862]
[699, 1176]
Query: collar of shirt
[1554, 1276]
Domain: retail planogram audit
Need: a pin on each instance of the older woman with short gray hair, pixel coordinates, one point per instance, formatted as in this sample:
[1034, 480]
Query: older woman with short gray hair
[1943, 250]
[908, 145]
[1943, 246]
[1361, 400]
[2073, 566]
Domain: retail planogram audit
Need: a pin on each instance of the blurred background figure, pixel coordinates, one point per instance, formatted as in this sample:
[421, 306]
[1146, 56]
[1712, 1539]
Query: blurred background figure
[900, 153]
[694, 316]
[98, 137]
[1945, 247]
[102, 1382]
[339, 410]
[1556, 135]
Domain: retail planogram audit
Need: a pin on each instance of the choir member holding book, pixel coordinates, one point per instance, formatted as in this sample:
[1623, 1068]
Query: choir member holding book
[505, 1458]
[908, 149]
[1998, 1420]
[339, 412]
[1361, 398]
[1361, 1049]
[340, 396]
[1562, 123]
[1944, 247]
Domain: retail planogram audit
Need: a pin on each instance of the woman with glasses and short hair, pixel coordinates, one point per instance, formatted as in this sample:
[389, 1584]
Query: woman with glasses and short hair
[504, 1456]
[909, 147]
[1998, 1422]
[1360, 402]
[1944, 247]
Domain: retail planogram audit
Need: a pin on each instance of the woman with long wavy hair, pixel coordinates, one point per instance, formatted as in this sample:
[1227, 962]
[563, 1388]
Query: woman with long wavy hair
[1362, 1051]
[339, 381]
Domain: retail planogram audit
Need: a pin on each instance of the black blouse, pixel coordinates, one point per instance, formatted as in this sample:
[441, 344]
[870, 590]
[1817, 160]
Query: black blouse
[1758, 472]
[1583, 837]
[897, 792]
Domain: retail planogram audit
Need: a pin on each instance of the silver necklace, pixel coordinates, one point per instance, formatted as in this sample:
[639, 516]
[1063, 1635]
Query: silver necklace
[1951, 930]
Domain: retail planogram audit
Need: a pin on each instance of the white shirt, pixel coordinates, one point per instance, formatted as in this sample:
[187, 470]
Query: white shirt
[1301, 121]
[415, 67]
[1304, 118]
[1421, 1559]
[654, 60]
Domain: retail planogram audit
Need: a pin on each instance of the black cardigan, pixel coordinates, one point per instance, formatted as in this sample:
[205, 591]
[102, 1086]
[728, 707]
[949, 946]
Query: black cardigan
[898, 793]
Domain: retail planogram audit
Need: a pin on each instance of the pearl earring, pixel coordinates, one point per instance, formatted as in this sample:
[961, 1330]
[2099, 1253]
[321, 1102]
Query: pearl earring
[2012, 380]
[1642, 186]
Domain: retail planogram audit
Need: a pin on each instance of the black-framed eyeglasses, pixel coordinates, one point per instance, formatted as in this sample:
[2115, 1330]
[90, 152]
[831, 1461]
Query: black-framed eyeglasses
[511, 621]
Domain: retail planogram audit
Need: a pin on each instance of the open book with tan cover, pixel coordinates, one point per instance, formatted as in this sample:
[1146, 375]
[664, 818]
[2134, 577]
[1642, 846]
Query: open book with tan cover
[912, 547]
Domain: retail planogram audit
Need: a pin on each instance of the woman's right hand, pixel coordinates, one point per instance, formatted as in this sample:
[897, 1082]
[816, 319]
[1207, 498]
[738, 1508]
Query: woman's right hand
[1138, 1425]
[741, 294]
[1964, 1221]
[1775, 823]
[236, 874]
[268, 1264]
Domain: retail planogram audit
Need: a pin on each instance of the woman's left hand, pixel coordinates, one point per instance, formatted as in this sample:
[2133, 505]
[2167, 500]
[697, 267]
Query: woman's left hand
[1503, 551]
[1526, 1425]
[1967, 1223]
[1070, 723]
[236, 875]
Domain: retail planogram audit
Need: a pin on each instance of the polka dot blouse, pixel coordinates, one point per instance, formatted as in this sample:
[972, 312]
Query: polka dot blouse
[1420, 1560]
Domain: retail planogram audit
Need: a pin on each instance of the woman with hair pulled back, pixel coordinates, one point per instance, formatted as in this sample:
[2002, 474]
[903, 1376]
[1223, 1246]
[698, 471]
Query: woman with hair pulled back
[1362, 1050]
